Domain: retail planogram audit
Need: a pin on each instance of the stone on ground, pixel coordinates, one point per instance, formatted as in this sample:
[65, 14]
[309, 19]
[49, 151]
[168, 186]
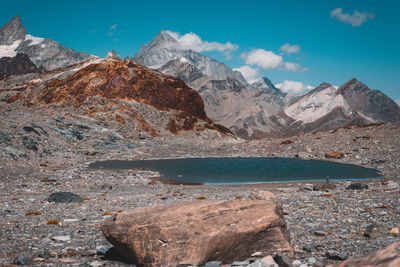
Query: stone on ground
[197, 232]
[386, 257]
[64, 197]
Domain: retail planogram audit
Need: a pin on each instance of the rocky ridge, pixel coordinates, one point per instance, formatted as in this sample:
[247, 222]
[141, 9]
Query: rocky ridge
[20, 64]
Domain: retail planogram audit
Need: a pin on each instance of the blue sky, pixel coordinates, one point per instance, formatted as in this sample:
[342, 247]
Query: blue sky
[333, 47]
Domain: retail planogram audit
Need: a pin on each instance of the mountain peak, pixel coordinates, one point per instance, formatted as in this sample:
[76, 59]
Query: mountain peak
[113, 54]
[164, 37]
[265, 84]
[12, 31]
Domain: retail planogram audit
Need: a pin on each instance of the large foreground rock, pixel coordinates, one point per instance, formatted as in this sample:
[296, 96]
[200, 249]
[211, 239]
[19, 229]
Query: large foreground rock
[386, 257]
[197, 232]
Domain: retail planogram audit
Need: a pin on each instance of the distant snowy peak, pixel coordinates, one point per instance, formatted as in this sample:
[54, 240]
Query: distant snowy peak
[41, 51]
[164, 47]
[113, 54]
[316, 104]
[354, 99]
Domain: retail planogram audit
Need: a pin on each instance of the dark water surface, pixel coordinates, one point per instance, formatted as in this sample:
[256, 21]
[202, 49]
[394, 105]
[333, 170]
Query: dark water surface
[217, 171]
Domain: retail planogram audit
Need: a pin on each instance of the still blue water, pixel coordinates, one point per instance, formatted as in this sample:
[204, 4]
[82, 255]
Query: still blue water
[217, 171]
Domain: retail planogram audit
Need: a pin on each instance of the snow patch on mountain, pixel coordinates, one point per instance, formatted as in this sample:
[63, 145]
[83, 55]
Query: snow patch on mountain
[9, 50]
[315, 105]
[34, 40]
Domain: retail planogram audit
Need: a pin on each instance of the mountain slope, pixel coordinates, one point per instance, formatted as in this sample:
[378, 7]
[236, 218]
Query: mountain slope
[243, 110]
[328, 107]
[42, 51]
[164, 48]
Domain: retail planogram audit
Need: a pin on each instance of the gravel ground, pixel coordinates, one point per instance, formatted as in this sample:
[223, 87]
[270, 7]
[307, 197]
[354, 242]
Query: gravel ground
[318, 221]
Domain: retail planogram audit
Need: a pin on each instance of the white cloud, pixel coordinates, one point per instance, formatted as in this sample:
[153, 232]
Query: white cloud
[113, 27]
[294, 67]
[294, 88]
[355, 20]
[263, 58]
[269, 60]
[290, 49]
[193, 42]
[250, 74]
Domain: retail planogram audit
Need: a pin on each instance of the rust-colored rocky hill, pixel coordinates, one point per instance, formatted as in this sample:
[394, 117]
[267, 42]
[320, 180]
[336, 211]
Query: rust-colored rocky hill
[115, 90]
[117, 79]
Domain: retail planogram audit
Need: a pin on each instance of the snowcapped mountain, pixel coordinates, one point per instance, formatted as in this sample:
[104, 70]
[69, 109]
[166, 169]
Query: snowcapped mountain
[328, 107]
[113, 54]
[42, 51]
[164, 48]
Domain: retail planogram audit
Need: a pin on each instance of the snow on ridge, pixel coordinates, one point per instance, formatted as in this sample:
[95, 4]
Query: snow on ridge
[9, 50]
[316, 105]
[34, 40]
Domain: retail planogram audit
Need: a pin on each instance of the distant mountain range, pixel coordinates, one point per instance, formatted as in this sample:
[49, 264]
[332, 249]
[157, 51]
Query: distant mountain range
[43, 52]
[251, 111]
[260, 109]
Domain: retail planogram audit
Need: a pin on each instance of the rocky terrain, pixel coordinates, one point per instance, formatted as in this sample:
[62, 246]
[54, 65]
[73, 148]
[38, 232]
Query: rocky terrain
[41, 155]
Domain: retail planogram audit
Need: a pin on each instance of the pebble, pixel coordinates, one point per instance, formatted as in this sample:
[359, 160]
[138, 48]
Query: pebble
[213, 264]
[102, 250]
[357, 186]
[311, 261]
[319, 232]
[333, 255]
[268, 260]
[240, 263]
[257, 263]
[62, 238]
[22, 261]
[296, 263]
[282, 260]
[394, 231]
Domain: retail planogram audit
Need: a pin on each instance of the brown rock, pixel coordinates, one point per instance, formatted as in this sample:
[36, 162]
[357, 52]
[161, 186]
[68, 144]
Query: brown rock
[334, 155]
[261, 194]
[196, 232]
[325, 186]
[386, 257]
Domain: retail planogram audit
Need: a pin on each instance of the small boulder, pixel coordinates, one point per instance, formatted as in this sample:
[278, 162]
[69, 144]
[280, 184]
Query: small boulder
[334, 155]
[282, 260]
[29, 143]
[325, 186]
[375, 230]
[22, 261]
[357, 186]
[386, 257]
[197, 232]
[64, 197]
[337, 256]
[261, 194]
